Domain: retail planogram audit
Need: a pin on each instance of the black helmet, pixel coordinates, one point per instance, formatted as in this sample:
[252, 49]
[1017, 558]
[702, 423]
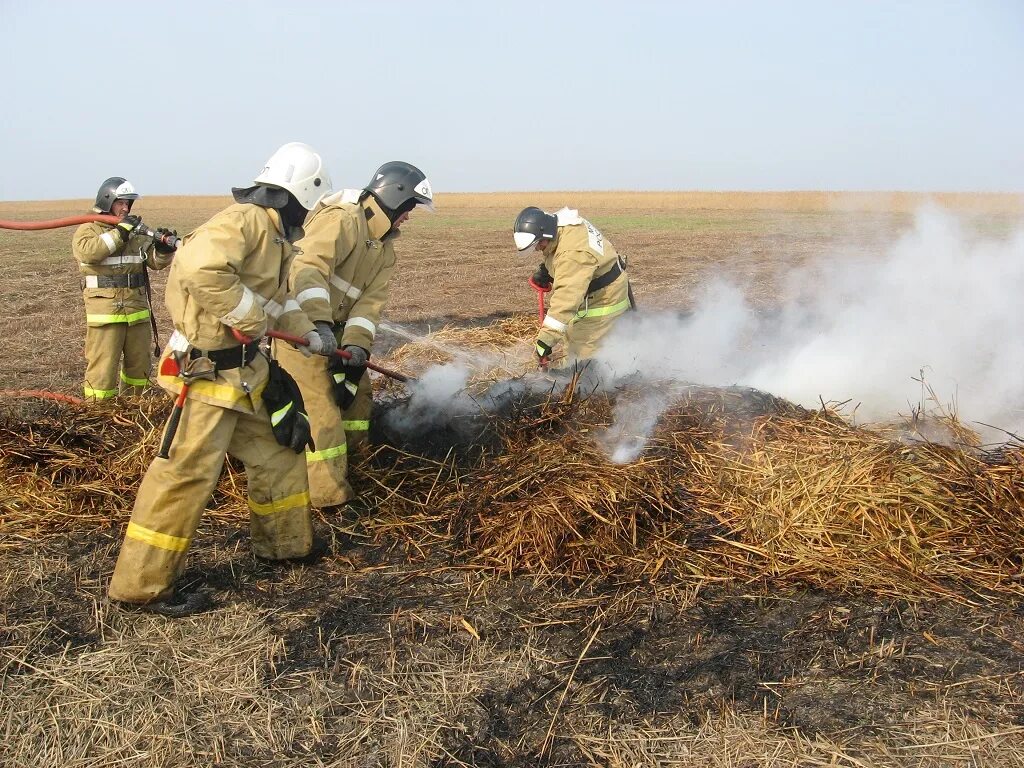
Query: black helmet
[113, 189]
[399, 187]
[533, 224]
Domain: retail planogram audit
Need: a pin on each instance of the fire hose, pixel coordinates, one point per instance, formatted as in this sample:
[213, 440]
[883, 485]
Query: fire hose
[164, 238]
[242, 338]
[541, 290]
[40, 394]
[540, 299]
[173, 241]
[68, 221]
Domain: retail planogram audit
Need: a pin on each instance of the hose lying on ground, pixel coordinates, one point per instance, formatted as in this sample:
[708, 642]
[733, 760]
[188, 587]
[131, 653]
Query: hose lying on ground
[39, 394]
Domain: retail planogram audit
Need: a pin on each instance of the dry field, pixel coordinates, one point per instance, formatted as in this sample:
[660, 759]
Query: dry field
[766, 586]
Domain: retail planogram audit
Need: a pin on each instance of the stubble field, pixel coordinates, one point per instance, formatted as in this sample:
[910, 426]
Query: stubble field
[407, 647]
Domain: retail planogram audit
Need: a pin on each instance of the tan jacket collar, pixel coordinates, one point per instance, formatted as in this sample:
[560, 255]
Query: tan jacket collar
[378, 224]
[553, 245]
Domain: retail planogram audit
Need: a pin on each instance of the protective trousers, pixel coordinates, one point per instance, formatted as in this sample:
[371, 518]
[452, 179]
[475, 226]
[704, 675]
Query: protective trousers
[583, 339]
[328, 464]
[356, 418]
[174, 493]
[104, 347]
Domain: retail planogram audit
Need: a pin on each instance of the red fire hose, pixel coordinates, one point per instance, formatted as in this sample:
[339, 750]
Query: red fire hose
[69, 221]
[339, 352]
[541, 290]
[40, 394]
[540, 299]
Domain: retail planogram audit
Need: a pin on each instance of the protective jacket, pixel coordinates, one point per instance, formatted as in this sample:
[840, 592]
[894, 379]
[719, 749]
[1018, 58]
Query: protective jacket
[340, 277]
[113, 284]
[343, 269]
[232, 272]
[579, 255]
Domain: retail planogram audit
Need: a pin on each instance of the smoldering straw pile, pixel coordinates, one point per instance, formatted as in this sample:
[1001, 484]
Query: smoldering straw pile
[733, 485]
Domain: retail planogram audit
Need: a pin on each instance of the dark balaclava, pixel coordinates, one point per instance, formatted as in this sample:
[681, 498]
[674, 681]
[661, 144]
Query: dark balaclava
[292, 213]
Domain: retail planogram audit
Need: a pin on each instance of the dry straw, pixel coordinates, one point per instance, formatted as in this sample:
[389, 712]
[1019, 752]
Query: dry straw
[733, 485]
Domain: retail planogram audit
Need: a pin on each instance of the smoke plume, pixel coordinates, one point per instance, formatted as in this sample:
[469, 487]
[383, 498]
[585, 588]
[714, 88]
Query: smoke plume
[941, 301]
[941, 304]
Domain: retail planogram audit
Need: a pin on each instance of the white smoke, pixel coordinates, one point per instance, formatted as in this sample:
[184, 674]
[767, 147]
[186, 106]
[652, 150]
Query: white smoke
[860, 327]
[634, 417]
[436, 395]
[853, 326]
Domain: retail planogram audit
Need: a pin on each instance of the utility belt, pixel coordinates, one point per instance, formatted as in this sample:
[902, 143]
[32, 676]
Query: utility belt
[115, 281]
[226, 359]
[608, 277]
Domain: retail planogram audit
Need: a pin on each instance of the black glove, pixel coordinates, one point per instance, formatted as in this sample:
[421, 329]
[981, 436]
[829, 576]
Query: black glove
[346, 374]
[163, 238]
[288, 416]
[543, 352]
[542, 278]
[128, 225]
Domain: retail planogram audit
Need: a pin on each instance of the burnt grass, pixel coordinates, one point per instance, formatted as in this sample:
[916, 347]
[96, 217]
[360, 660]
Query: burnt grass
[839, 664]
[821, 663]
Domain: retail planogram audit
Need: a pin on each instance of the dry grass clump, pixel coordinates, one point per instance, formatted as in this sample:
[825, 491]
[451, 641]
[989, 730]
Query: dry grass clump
[495, 352]
[815, 500]
[69, 465]
[732, 484]
[550, 502]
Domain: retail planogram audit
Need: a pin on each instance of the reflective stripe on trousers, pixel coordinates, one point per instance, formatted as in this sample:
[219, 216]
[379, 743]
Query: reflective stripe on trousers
[174, 492]
[142, 314]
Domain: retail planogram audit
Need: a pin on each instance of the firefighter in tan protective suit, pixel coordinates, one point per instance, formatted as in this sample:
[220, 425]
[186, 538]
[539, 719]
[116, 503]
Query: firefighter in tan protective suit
[340, 280]
[229, 275]
[587, 279]
[115, 289]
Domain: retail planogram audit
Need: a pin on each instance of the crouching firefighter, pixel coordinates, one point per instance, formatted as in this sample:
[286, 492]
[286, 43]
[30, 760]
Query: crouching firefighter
[340, 279]
[113, 260]
[229, 280]
[586, 278]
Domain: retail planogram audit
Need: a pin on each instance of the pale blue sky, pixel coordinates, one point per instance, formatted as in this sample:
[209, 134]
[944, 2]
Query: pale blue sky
[191, 97]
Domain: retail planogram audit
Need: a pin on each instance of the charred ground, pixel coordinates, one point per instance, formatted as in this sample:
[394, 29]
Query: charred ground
[415, 644]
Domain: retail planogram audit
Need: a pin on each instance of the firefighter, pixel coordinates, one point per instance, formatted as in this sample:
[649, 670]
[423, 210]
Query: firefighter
[586, 279]
[340, 280]
[115, 288]
[229, 276]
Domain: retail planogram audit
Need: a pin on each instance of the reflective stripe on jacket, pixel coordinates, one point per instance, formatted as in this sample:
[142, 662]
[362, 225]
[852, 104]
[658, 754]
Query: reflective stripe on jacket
[232, 273]
[578, 254]
[100, 251]
[343, 270]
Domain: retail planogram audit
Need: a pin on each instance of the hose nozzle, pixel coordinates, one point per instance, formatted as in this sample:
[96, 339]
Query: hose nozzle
[164, 238]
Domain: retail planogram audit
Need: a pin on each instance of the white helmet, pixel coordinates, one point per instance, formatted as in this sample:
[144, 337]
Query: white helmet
[297, 168]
